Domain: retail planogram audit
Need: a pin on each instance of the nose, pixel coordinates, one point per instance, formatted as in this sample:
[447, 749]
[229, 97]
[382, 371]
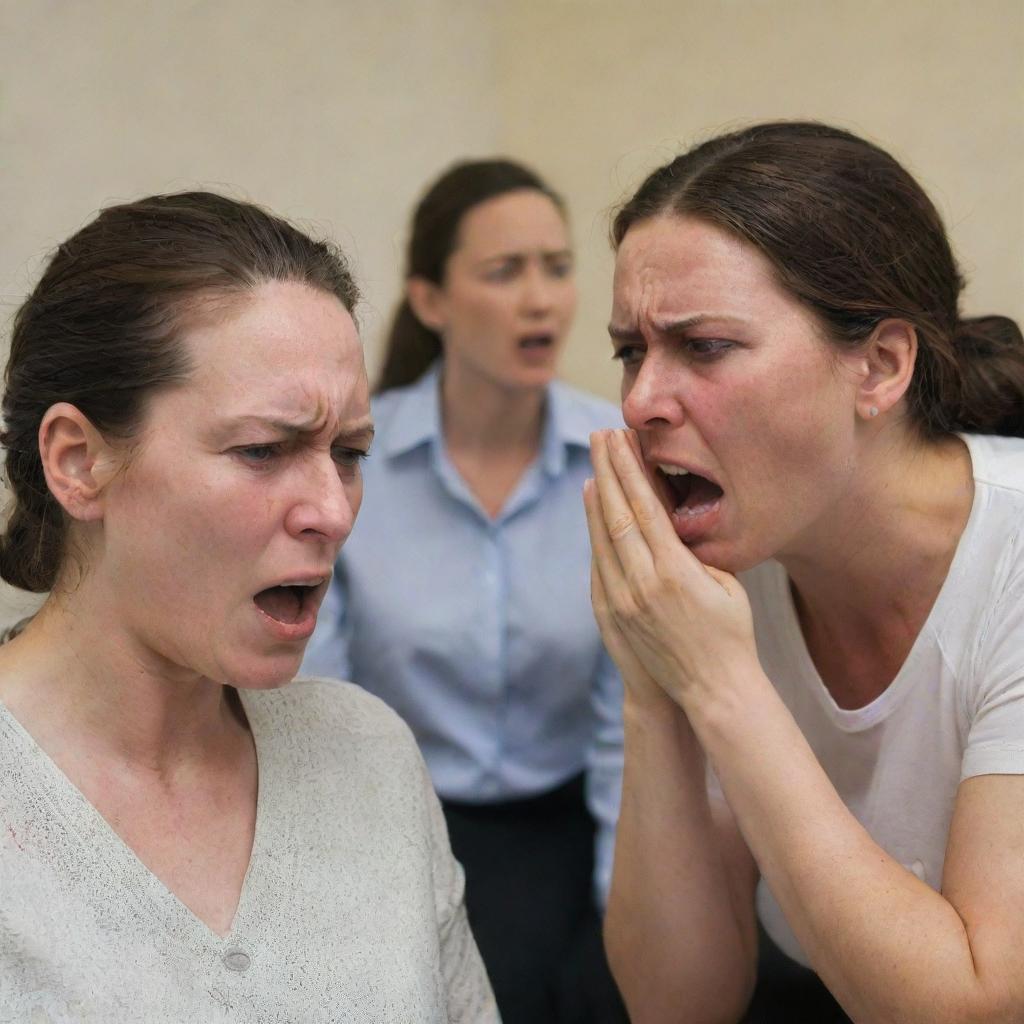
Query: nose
[325, 505]
[653, 397]
[538, 294]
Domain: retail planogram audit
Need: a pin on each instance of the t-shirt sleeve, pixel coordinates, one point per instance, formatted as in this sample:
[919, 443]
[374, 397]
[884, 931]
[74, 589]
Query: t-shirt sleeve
[995, 739]
[469, 993]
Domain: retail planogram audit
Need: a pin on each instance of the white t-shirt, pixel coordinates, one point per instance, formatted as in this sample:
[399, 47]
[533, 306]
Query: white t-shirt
[351, 909]
[954, 710]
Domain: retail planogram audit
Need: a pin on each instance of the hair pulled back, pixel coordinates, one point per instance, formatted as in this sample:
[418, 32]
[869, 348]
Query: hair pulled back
[101, 330]
[411, 345]
[854, 237]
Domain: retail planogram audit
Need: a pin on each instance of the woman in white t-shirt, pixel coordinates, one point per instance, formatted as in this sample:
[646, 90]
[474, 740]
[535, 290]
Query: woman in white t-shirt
[810, 410]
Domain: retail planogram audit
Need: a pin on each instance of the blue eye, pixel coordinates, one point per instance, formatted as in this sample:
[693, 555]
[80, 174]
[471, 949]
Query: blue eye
[258, 454]
[708, 348]
[504, 271]
[349, 458]
[629, 355]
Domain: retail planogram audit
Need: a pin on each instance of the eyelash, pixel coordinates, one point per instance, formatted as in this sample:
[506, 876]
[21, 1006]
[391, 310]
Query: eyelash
[262, 454]
[630, 355]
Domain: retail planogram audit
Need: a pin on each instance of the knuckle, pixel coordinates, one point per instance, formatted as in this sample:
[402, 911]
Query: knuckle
[620, 525]
[647, 514]
[629, 611]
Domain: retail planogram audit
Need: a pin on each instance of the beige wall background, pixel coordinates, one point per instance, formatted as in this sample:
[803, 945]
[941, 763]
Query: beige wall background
[337, 112]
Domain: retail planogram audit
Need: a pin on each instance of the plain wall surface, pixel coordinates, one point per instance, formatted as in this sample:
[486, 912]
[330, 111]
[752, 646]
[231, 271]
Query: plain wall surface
[338, 113]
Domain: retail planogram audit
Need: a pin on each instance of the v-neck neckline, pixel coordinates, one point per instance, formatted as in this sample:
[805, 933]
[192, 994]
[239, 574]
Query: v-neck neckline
[71, 804]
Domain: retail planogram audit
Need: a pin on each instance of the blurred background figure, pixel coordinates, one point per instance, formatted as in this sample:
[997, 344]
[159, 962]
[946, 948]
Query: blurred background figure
[465, 602]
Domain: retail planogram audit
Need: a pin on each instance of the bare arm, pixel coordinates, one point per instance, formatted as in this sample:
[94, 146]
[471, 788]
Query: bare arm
[889, 947]
[680, 927]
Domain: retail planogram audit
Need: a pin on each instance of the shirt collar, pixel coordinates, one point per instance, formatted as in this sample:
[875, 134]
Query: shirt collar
[565, 427]
[417, 418]
[417, 421]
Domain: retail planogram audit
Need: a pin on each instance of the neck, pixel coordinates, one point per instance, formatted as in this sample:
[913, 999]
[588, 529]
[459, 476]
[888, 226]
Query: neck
[72, 673]
[879, 561]
[481, 416]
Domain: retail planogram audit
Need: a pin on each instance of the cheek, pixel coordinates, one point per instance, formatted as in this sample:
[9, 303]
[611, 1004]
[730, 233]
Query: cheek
[355, 496]
[569, 299]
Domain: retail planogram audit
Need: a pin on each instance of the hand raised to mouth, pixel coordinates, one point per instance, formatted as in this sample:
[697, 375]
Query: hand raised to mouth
[688, 625]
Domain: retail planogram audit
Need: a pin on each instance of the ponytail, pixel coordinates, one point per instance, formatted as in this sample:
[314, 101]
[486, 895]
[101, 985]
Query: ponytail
[990, 350]
[411, 348]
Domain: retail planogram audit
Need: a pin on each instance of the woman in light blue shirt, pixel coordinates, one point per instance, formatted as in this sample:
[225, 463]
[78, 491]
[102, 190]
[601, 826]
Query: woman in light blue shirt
[464, 602]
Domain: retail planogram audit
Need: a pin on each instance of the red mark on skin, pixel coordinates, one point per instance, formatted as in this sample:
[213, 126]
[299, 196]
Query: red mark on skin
[14, 838]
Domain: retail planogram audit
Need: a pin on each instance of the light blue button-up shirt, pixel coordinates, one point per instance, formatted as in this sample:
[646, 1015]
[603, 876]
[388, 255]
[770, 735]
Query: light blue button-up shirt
[478, 631]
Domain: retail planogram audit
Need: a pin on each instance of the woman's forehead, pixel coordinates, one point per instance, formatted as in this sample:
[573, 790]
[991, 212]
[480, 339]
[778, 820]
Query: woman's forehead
[677, 268]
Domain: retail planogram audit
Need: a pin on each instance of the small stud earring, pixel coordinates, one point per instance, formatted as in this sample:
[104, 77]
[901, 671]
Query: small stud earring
[873, 411]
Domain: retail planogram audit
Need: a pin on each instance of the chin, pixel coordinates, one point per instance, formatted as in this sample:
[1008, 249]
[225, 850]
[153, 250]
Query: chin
[724, 556]
[267, 673]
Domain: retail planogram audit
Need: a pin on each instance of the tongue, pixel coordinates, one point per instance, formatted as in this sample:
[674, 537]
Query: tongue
[700, 492]
[281, 603]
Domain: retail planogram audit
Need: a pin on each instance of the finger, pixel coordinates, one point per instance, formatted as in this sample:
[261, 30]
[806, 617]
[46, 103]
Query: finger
[620, 521]
[614, 640]
[603, 552]
[648, 512]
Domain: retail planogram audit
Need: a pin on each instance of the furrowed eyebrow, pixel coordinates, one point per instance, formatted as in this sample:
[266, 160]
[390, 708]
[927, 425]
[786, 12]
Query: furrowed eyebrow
[625, 334]
[634, 335]
[358, 433]
[547, 254]
[361, 430]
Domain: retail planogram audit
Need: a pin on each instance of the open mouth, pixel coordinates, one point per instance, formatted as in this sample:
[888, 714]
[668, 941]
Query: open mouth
[290, 603]
[536, 341]
[687, 494]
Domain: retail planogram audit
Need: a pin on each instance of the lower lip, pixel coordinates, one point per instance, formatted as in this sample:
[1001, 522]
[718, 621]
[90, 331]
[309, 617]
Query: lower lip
[692, 527]
[300, 630]
[537, 353]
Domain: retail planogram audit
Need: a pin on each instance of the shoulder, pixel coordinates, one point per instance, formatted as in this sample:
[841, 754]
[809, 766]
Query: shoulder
[587, 406]
[997, 462]
[580, 412]
[994, 533]
[387, 407]
[315, 705]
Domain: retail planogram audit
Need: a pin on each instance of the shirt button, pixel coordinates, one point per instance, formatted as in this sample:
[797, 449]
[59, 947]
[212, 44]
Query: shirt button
[236, 959]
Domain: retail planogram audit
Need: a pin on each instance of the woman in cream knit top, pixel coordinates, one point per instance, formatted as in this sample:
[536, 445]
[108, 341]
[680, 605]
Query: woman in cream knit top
[182, 837]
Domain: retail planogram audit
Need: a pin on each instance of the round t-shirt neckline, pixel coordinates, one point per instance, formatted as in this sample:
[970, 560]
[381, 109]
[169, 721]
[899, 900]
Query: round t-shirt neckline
[870, 714]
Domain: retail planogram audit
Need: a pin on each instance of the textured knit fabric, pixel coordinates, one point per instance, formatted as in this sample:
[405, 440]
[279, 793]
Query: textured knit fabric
[479, 632]
[351, 909]
[954, 710]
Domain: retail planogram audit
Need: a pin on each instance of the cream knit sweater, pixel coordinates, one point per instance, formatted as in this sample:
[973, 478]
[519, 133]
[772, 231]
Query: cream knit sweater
[351, 909]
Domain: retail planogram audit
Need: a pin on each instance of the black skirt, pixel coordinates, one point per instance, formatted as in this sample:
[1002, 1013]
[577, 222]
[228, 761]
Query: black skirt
[529, 894]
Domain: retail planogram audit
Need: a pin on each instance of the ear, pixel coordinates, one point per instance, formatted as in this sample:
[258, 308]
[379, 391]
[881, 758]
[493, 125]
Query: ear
[77, 461]
[427, 302]
[886, 361]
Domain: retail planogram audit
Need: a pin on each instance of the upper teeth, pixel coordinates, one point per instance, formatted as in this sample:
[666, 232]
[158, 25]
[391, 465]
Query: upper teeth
[672, 470]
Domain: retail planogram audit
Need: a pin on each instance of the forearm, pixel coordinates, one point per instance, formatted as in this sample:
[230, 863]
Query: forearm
[680, 925]
[887, 945]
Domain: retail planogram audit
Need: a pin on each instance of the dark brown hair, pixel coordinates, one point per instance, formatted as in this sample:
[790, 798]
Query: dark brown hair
[855, 238]
[411, 345]
[101, 330]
